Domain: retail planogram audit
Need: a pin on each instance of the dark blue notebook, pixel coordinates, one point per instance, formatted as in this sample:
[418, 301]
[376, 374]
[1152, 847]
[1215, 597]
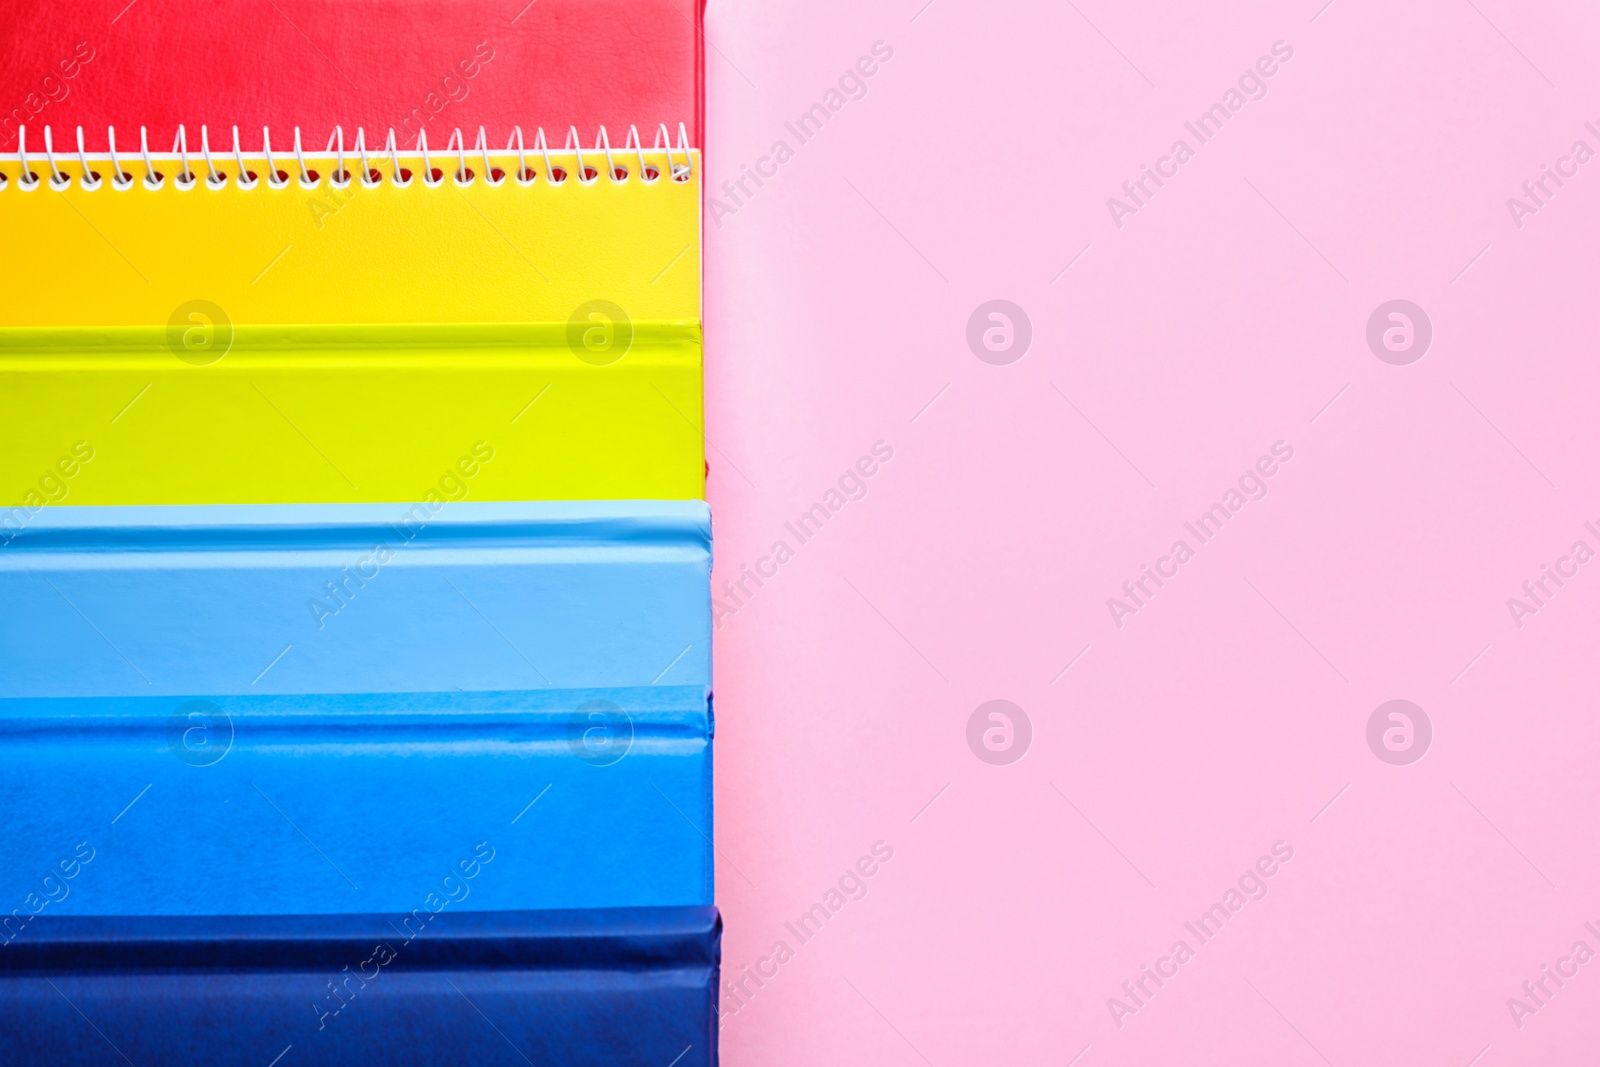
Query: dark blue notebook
[551, 988]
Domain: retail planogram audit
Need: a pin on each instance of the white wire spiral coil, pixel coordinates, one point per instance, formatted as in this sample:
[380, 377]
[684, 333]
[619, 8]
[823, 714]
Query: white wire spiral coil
[340, 177]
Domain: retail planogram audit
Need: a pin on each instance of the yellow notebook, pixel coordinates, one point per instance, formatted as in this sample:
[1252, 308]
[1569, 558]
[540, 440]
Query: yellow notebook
[325, 332]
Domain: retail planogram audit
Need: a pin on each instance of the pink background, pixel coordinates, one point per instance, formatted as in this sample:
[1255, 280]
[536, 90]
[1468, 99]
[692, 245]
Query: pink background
[1222, 317]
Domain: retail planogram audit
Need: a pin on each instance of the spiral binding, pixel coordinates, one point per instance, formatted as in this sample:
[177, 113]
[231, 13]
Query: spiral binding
[370, 177]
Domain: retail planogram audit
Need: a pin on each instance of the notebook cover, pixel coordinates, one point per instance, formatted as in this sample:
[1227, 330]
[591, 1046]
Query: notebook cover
[552, 988]
[1283, 287]
[320, 708]
[460, 251]
[314, 63]
[359, 598]
[406, 322]
[296, 414]
[234, 803]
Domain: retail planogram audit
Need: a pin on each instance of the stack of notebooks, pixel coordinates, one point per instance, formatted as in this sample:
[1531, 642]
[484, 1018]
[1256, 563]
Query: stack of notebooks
[355, 629]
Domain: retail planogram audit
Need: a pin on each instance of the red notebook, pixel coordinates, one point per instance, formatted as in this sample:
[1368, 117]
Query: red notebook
[417, 66]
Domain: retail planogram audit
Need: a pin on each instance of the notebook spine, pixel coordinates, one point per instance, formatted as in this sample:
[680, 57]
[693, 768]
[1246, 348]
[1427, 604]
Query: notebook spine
[678, 160]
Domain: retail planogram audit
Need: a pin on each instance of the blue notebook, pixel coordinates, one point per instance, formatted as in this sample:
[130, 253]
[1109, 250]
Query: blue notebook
[519, 688]
[556, 989]
[355, 598]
